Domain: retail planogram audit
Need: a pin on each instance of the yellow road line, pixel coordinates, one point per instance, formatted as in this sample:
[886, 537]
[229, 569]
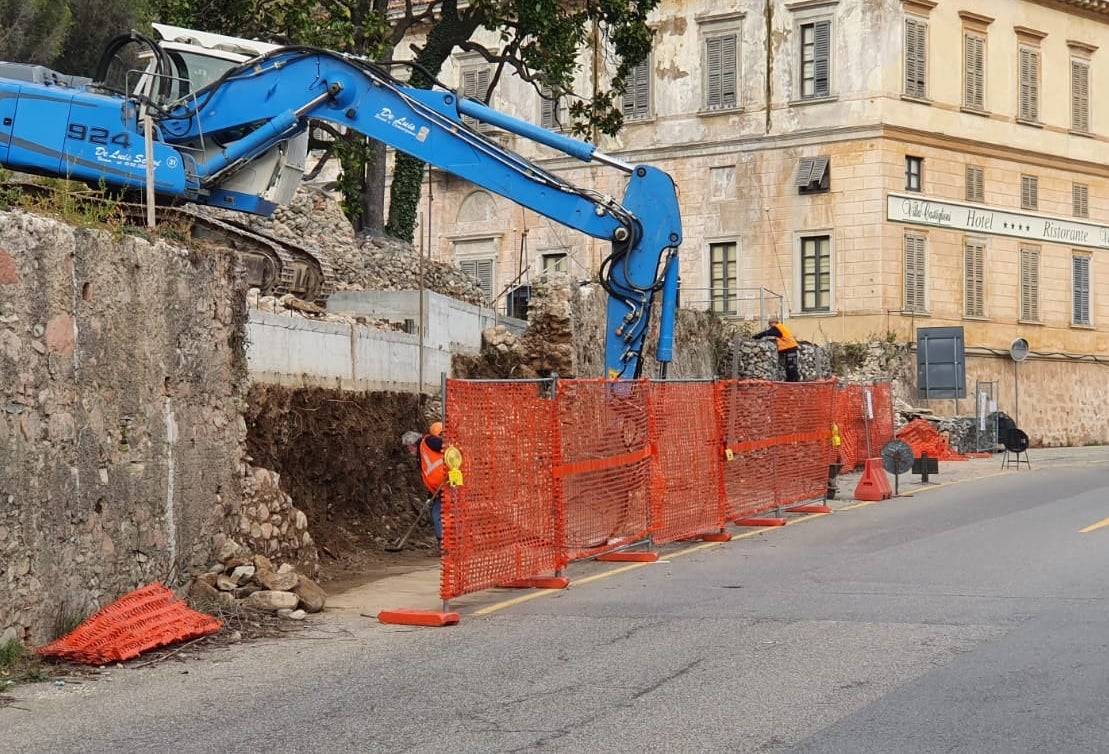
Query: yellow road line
[488, 609]
[1094, 527]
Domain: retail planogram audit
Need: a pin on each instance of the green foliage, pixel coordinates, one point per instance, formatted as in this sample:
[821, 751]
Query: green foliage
[33, 31]
[17, 665]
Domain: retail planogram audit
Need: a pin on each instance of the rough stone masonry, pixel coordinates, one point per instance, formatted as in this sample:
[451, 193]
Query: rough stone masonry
[120, 416]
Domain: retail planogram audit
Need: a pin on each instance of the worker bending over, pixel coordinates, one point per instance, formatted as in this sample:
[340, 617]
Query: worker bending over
[429, 448]
[787, 348]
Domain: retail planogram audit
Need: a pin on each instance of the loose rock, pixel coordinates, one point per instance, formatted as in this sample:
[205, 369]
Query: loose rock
[271, 600]
[312, 597]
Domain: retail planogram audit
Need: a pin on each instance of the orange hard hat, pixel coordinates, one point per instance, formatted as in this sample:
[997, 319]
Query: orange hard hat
[436, 429]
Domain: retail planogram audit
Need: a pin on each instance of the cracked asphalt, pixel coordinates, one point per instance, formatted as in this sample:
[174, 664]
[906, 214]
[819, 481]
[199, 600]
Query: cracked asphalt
[971, 618]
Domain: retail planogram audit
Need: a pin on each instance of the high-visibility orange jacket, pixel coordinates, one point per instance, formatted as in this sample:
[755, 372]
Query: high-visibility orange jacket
[432, 470]
[786, 341]
[781, 333]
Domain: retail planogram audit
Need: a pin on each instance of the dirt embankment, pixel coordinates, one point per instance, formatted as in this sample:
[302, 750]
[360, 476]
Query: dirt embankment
[340, 458]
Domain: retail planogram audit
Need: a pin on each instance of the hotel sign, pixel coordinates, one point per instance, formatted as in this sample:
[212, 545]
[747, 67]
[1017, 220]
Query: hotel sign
[971, 218]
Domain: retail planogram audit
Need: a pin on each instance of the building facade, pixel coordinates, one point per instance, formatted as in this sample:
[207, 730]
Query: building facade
[879, 165]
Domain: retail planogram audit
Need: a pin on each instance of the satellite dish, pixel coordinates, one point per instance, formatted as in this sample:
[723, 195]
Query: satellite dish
[1018, 350]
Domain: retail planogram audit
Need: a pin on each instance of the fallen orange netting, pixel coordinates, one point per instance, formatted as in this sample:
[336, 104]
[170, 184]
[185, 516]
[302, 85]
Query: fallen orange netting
[922, 437]
[142, 620]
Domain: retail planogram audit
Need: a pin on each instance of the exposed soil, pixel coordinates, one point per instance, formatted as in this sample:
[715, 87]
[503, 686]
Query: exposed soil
[340, 458]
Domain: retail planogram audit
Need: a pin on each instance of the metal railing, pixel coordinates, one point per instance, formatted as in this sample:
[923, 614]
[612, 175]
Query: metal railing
[754, 304]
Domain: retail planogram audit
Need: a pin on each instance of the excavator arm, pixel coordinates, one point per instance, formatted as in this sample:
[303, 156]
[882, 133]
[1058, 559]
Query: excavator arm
[204, 140]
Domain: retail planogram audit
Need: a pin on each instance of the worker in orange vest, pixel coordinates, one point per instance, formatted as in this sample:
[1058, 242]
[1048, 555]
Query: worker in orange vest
[429, 448]
[787, 348]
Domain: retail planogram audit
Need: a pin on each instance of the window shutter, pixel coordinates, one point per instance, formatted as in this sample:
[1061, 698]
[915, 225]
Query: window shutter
[1029, 192]
[1080, 96]
[1029, 84]
[713, 64]
[916, 58]
[728, 60]
[976, 188]
[1030, 284]
[637, 98]
[549, 108]
[915, 284]
[1080, 195]
[475, 86]
[974, 288]
[974, 64]
[822, 58]
[1081, 270]
[482, 269]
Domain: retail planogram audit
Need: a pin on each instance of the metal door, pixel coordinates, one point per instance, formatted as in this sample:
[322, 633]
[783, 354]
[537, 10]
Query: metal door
[940, 362]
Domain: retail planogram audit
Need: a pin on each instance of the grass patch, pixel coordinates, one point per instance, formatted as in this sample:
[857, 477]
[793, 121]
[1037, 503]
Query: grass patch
[19, 665]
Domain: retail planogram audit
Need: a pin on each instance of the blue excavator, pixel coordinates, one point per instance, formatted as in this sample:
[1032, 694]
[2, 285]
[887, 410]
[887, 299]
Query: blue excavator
[228, 119]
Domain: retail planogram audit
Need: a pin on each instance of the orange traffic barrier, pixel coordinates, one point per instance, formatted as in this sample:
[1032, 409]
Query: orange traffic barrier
[874, 485]
[429, 618]
[137, 622]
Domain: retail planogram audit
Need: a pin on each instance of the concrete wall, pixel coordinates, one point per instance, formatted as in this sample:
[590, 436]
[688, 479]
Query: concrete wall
[297, 352]
[448, 322]
[120, 431]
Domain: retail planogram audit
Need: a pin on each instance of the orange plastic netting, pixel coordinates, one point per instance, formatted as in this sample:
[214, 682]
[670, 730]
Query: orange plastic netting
[605, 467]
[779, 438]
[504, 523]
[853, 425]
[686, 497]
[141, 620]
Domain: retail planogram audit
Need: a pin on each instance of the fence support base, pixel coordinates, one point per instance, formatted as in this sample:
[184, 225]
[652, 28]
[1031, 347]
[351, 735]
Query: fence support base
[432, 618]
[760, 522]
[811, 508]
[537, 582]
[716, 536]
[628, 557]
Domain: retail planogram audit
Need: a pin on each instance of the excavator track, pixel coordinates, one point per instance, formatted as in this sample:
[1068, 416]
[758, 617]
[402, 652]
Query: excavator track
[273, 265]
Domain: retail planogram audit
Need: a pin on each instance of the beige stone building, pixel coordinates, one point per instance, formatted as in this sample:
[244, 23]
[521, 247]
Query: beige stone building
[878, 166]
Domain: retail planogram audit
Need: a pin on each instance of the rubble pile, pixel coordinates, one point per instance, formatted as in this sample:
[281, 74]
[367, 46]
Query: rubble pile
[315, 219]
[501, 357]
[269, 523]
[961, 432]
[548, 343]
[241, 580]
[289, 305]
[758, 360]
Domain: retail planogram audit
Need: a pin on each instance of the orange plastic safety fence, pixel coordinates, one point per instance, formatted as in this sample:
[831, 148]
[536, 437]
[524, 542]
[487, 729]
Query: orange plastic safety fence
[779, 438]
[803, 415]
[860, 436]
[923, 438]
[504, 523]
[142, 620]
[605, 466]
[686, 498]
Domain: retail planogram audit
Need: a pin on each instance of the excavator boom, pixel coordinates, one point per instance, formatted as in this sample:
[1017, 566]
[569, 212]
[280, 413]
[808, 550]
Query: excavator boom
[207, 138]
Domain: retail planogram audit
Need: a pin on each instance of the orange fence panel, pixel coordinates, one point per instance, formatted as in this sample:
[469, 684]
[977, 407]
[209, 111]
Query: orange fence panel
[686, 481]
[504, 523]
[138, 621]
[747, 423]
[779, 435]
[605, 464]
[803, 419]
[861, 436]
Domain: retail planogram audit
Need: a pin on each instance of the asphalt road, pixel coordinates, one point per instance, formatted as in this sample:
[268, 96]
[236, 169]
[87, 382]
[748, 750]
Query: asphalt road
[972, 618]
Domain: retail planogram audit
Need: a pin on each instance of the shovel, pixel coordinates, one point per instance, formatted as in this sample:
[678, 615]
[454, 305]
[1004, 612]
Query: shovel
[399, 545]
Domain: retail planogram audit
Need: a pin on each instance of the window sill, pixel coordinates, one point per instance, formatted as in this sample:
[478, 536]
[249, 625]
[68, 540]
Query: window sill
[1030, 123]
[915, 313]
[806, 101]
[975, 111]
[828, 313]
[639, 121]
[1034, 322]
[976, 318]
[918, 100]
[1078, 326]
[733, 110]
[1082, 134]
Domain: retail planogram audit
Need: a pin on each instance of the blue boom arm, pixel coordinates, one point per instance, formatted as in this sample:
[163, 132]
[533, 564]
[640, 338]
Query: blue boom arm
[272, 98]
